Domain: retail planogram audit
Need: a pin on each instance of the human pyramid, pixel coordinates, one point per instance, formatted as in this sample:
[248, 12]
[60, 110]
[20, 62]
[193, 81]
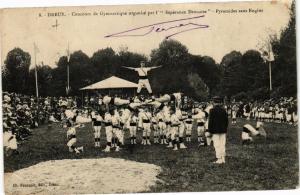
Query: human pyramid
[163, 116]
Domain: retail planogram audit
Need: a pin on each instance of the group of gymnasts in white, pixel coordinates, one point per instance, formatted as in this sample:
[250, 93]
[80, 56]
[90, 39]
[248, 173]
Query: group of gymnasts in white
[161, 120]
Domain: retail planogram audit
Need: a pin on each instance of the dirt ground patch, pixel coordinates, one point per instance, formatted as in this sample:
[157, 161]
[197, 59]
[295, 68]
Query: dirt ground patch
[104, 175]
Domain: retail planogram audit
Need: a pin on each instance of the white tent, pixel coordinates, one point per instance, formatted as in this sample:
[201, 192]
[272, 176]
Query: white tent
[111, 83]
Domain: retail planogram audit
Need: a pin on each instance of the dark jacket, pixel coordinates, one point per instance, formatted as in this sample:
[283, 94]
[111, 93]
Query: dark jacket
[218, 120]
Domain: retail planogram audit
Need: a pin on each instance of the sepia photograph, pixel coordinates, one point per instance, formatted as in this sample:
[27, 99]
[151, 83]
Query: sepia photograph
[149, 98]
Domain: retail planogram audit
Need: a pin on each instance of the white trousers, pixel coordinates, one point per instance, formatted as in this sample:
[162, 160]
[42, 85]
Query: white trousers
[219, 141]
[109, 132]
[174, 132]
[233, 114]
[189, 129]
[132, 131]
[97, 131]
[200, 130]
[144, 83]
[118, 133]
[168, 131]
[72, 142]
[162, 128]
[12, 144]
[288, 117]
[147, 129]
[181, 129]
[155, 129]
[295, 117]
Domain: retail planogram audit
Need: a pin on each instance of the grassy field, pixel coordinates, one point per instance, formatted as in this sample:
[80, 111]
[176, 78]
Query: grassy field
[267, 164]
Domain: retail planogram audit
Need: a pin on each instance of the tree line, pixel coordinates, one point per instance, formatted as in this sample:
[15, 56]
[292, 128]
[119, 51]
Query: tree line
[238, 75]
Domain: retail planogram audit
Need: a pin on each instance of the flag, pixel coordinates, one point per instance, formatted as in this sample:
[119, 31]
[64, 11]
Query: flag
[268, 54]
[36, 49]
[68, 55]
[68, 52]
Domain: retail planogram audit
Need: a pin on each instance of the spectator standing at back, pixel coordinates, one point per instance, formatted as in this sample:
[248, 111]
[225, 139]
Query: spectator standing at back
[217, 126]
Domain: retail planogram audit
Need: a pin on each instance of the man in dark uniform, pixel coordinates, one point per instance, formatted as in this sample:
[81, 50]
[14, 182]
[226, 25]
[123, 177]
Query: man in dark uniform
[217, 126]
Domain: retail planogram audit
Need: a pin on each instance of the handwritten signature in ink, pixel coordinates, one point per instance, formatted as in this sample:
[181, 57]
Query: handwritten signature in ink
[178, 26]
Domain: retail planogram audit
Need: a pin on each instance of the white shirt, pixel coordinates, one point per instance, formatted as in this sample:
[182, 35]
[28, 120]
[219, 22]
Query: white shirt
[208, 108]
[106, 99]
[177, 96]
[115, 120]
[200, 116]
[93, 114]
[160, 116]
[98, 117]
[126, 114]
[154, 120]
[134, 119]
[6, 136]
[51, 118]
[178, 114]
[174, 119]
[166, 110]
[142, 71]
[69, 114]
[116, 113]
[107, 117]
[167, 117]
[64, 103]
[146, 116]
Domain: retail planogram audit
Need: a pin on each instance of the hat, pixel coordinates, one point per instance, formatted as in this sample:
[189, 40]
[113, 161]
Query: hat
[217, 99]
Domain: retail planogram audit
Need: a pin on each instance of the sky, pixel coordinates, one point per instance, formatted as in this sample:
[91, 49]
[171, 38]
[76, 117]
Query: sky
[224, 28]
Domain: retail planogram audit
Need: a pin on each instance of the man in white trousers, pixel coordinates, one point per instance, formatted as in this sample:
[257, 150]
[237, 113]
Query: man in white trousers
[143, 77]
[217, 126]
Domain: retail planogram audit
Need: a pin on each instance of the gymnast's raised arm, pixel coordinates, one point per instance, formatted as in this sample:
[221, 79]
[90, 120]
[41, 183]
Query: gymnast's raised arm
[130, 68]
[154, 67]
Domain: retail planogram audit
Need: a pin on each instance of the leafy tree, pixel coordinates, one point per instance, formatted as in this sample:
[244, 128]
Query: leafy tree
[208, 70]
[231, 80]
[16, 71]
[172, 76]
[243, 73]
[284, 68]
[254, 72]
[105, 63]
[59, 74]
[81, 73]
[44, 73]
[198, 85]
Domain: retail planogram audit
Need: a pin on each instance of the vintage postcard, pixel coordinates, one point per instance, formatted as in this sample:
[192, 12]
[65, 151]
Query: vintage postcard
[186, 97]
